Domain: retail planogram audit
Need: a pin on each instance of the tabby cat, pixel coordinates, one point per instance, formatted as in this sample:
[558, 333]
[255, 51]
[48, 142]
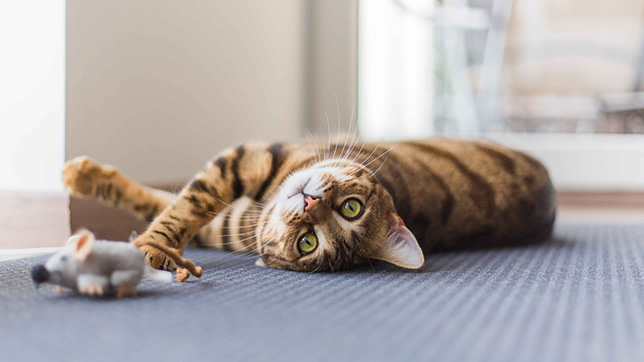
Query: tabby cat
[309, 208]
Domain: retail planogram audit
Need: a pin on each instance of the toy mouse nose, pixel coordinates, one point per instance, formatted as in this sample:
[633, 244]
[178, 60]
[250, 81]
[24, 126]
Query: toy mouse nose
[310, 202]
[39, 274]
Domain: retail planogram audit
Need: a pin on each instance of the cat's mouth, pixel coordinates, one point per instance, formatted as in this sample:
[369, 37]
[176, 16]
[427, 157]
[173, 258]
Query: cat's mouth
[299, 189]
[301, 202]
[300, 193]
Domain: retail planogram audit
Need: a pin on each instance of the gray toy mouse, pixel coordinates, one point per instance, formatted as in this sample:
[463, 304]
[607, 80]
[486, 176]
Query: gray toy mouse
[98, 267]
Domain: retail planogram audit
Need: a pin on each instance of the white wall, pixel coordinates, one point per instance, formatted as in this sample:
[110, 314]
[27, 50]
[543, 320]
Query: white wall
[32, 43]
[157, 88]
[332, 64]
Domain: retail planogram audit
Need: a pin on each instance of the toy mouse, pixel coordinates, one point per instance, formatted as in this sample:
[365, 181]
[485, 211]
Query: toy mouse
[98, 267]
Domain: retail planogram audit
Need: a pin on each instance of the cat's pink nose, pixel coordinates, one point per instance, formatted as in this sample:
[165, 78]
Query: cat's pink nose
[310, 202]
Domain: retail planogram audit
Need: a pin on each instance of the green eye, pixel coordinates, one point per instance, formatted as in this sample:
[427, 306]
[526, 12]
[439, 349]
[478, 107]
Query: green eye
[307, 243]
[351, 209]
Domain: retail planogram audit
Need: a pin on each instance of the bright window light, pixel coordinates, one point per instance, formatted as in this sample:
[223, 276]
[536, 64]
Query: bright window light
[396, 72]
[32, 94]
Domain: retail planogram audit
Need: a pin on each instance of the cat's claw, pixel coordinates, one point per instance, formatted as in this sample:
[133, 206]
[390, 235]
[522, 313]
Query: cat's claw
[157, 259]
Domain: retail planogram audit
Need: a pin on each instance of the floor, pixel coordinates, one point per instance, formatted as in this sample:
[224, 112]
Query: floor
[577, 297]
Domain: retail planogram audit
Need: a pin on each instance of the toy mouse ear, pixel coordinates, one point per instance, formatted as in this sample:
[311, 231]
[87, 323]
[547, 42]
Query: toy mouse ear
[84, 245]
[133, 235]
[401, 247]
[72, 239]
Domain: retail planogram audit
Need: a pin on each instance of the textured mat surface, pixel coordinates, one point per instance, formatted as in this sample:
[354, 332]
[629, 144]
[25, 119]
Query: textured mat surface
[578, 297]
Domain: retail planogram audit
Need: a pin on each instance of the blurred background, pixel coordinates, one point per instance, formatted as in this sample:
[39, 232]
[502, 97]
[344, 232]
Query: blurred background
[558, 79]
[158, 87]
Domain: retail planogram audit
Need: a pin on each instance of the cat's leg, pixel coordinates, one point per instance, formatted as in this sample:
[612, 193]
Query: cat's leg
[84, 177]
[234, 228]
[248, 170]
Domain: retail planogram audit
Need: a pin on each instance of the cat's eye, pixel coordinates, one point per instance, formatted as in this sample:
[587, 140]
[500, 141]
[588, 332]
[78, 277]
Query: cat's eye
[307, 243]
[351, 209]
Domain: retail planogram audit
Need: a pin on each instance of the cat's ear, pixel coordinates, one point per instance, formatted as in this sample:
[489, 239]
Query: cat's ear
[83, 245]
[401, 247]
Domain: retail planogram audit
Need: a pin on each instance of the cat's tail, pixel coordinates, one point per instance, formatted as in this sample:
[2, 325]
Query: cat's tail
[160, 276]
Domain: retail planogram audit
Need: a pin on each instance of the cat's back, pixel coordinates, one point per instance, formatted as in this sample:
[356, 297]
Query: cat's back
[455, 193]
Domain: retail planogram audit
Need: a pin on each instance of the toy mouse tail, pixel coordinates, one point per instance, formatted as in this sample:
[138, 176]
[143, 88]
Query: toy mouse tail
[172, 253]
[160, 276]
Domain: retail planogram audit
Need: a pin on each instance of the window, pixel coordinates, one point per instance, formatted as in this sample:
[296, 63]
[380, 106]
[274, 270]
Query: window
[32, 37]
[559, 80]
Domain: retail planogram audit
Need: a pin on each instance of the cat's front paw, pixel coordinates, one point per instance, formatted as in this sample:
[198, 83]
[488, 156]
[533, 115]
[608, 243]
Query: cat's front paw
[82, 175]
[157, 259]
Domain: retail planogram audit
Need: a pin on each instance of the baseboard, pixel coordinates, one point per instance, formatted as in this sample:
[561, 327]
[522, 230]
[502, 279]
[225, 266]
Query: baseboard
[630, 200]
[106, 222]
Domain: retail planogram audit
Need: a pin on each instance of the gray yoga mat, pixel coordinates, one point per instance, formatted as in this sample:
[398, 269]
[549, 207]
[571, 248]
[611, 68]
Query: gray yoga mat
[577, 297]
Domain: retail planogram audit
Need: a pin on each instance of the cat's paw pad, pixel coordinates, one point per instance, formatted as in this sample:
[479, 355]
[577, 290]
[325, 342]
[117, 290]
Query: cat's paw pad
[157, 259]
[82, 174]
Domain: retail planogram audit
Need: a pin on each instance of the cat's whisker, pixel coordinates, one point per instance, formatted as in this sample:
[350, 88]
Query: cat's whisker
[379, 167]
[354, 142]
[347, 140]
[248, 222]
[337, 141]
[354, 139]
[256, 223]
[251, 210]
[371, 154]
[229, 217]
[328, 125]
[261, 247]
[359, 152]
[229, 205]
[384, 153]
[214, 243]
[240, 234]
[321, 139]
[315, 146]
[375, 159]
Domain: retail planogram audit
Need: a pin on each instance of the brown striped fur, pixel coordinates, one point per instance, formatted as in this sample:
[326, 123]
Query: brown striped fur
[450, 193]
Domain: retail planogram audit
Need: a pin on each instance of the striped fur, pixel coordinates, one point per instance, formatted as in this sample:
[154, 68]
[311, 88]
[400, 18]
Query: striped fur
[451, 194]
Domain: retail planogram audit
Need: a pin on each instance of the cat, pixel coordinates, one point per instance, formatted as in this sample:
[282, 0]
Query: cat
[306, 207]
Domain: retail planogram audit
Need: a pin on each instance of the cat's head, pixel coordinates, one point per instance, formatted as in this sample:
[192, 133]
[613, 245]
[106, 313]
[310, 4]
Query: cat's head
[332, 216]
